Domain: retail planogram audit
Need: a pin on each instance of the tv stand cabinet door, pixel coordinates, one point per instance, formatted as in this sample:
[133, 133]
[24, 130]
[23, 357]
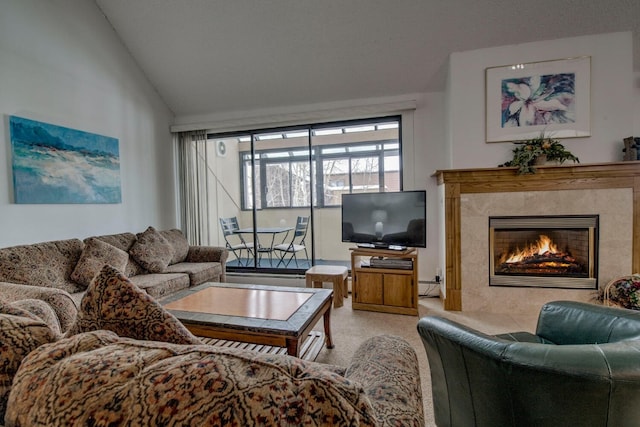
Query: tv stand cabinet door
[369, 288]
[398, 290]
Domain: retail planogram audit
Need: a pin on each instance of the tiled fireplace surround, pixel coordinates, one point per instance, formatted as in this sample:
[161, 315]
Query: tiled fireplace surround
[470, 196]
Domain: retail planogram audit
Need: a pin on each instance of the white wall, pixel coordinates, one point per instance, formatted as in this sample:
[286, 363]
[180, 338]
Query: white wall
[61, 63]
[612, 97]
[431, 154]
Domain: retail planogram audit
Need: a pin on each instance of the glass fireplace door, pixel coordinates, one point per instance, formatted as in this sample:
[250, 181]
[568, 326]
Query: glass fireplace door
[544, 251]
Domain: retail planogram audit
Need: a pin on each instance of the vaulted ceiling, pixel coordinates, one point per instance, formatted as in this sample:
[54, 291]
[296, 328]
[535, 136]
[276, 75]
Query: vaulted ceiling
[215, 56]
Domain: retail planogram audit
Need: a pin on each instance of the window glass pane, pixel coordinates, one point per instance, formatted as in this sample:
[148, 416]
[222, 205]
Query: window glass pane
[364, 175]
[335, 176]
[362, 157]
[258, 185]
[392, 173]
[288, 184]
[322, 132]
[300, 180]
[314, 175]
[360, 128]
[334, 150]
[361, 148]
[268, 137]
[299, 134]
[393, 125]
[248, 188]
[276, 155]
[277, 190]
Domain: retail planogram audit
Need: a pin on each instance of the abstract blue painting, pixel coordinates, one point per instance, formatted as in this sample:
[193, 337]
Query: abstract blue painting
[54, 164]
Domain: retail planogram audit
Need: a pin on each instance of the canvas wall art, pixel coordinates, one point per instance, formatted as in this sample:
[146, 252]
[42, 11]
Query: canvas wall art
[54, 164]
[524, 100]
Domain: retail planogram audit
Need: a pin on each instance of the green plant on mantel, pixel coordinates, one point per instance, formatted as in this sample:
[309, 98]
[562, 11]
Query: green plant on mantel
[536, 151]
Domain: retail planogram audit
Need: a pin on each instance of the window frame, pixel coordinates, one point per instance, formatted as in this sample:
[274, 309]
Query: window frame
[315, 158]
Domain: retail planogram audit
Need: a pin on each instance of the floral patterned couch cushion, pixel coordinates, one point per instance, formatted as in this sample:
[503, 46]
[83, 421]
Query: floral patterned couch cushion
[386, 377]
[36, 309]
[60, 301]
[20, 334]
[152, 251]
[199, 272]
[123, 241]
[113, 303]
[178, 243]
[148, 383]
[95, 255]
[47, 264]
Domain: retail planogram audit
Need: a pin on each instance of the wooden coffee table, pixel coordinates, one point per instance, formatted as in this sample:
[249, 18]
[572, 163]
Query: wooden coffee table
[270, 315]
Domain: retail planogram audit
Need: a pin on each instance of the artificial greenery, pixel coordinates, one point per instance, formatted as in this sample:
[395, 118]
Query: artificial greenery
[526, 153]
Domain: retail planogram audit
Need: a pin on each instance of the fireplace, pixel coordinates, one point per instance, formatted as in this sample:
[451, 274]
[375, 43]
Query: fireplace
[544, 251]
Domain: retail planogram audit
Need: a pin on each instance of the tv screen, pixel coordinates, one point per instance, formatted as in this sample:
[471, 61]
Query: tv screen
[387, 219]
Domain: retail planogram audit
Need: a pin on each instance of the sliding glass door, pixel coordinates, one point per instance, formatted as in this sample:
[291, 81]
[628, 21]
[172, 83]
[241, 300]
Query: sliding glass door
[280, 166]
[284, 187]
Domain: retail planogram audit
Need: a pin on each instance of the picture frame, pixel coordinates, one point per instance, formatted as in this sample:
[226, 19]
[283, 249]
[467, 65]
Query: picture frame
[528, 99]
[58, 165]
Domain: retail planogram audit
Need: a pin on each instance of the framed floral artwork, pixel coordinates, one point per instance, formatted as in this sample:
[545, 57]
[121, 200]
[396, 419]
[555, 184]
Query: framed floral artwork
[525, 100]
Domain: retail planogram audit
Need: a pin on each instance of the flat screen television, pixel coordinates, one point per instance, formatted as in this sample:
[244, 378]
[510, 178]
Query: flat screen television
[394, 220]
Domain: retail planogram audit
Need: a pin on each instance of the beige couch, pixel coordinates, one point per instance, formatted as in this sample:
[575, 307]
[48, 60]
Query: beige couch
[58, 272]
[127, 361]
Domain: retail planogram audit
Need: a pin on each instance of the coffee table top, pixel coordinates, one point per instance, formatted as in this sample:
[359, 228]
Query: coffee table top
[279, 309]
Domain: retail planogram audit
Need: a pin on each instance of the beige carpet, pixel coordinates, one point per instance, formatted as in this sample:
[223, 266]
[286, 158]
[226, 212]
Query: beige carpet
[351, 327]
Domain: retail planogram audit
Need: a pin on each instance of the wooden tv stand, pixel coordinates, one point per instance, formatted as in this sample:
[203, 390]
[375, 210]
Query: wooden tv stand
[388, 290]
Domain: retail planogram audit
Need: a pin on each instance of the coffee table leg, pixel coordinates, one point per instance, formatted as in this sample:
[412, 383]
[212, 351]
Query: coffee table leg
[327, 327]
[292, 347]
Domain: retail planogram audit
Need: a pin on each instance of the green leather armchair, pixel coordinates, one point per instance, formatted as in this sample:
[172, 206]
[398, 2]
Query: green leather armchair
[580, 368]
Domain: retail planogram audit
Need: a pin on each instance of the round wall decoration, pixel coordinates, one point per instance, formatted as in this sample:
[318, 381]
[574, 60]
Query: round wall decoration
[221, 148]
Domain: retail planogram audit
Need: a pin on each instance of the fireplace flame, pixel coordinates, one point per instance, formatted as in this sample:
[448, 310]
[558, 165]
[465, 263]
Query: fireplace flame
[543, 246]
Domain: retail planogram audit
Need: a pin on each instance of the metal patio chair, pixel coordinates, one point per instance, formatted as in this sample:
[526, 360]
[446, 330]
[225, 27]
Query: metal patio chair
[296, 244]
[235, 241]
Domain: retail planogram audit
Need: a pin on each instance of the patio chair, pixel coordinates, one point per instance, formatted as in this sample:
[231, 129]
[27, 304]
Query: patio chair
[235, 244]
[295, 245]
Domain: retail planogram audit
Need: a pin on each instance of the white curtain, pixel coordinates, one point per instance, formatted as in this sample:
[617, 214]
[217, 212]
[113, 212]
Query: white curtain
[192, 167]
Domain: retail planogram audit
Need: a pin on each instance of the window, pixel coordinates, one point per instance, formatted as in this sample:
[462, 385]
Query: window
[290, 168]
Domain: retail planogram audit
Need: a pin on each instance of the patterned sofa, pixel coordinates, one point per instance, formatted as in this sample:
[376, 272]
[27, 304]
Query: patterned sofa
[127, 361]
[58, 272]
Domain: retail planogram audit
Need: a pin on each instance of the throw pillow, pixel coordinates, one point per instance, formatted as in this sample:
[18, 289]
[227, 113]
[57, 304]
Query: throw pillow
[95, 255]
[124, 241]
[152, 251]
[20, 334]
[179, 244]
[113, 303]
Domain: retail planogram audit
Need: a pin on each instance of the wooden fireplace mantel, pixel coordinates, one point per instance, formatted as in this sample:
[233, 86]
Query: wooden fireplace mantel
[547, 178]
